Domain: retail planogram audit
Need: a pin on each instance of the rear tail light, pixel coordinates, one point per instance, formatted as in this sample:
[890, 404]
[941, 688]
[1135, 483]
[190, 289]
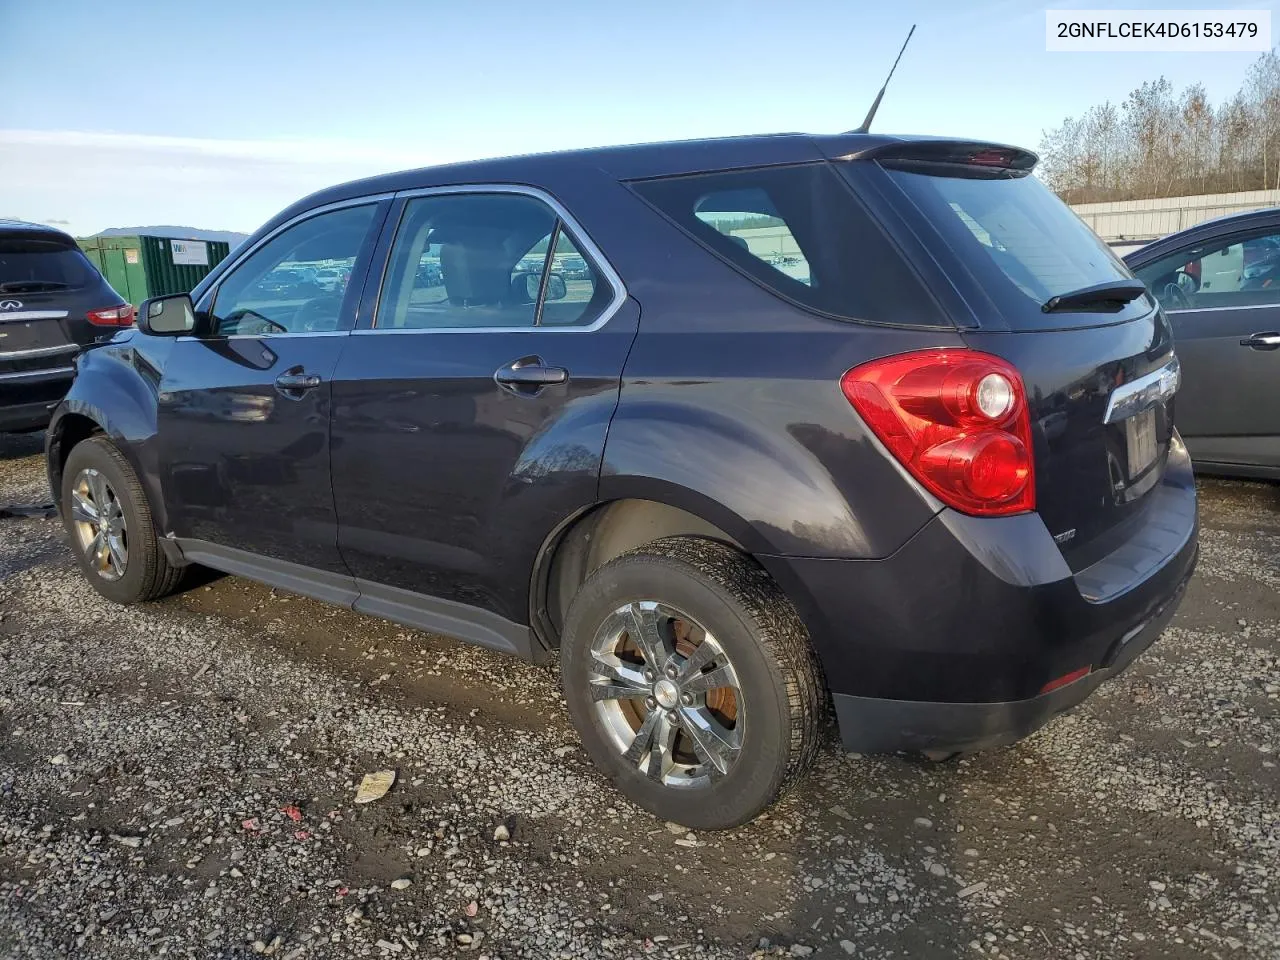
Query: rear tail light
[957, 420]
[112, 316]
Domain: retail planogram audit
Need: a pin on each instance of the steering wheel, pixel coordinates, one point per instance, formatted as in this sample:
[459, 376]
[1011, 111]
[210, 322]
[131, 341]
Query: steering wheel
[318, 315]
[238, 323]
[1173, 297]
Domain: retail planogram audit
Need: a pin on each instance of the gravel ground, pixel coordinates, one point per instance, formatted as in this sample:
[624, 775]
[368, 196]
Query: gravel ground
[177, 779]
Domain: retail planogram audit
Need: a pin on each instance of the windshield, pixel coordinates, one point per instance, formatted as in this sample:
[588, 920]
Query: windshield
[41, 265]
[1023, 245]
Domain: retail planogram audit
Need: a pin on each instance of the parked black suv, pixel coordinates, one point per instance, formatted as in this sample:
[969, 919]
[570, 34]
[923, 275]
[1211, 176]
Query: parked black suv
[53, 302]
[860, 416]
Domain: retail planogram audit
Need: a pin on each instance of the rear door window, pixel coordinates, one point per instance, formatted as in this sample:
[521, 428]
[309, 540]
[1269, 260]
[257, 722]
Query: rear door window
[487, 261]
[36, 266]
[800, 232]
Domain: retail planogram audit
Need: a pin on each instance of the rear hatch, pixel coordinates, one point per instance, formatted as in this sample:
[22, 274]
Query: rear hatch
[1006, 257]
[47, 288]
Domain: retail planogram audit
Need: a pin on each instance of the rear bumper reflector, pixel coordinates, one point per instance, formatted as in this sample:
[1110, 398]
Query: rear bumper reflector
[1065, 679]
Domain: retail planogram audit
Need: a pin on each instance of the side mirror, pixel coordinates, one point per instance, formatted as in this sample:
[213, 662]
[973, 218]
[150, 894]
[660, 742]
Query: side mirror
[170, 316]
[525, 286]
[556, 290]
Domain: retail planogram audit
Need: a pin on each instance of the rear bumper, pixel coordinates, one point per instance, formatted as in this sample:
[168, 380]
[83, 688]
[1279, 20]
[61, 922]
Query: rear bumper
[949, 643]
[869, 725]
[27, 416]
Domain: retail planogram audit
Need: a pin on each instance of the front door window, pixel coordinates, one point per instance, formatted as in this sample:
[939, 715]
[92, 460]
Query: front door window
[296, 282]
[1234, 272]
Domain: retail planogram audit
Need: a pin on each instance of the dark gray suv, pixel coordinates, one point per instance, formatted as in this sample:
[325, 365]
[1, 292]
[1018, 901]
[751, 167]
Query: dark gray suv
[1219, 283]
[738, 429]
[53, 303]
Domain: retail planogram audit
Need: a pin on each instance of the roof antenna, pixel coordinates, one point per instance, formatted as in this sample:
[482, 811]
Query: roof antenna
[871, 114]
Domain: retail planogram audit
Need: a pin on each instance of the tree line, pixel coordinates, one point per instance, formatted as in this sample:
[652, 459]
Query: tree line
[1162, 143]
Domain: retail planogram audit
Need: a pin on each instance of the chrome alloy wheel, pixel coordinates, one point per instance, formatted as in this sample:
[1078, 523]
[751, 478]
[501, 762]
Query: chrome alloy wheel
[99, 524]
[666, 693]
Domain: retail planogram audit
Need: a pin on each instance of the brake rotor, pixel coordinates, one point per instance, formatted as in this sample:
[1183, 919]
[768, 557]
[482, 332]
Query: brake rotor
[637, 694]
[721, 700]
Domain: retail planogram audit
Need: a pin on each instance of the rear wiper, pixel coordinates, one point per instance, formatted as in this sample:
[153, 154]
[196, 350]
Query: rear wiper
[32, 286]
[1117, 292]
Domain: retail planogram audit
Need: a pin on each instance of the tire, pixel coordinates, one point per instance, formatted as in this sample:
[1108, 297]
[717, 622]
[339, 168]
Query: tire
[768, 713]
[145, 573]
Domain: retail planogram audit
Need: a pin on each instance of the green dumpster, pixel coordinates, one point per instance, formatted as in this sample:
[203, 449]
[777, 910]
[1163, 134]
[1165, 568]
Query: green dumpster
[141, 267]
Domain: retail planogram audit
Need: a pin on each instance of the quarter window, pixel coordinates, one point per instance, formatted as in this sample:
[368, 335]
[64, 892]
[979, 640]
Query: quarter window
[487, 260]
[1238, 272]
[756, 228]
[297, 281]
[800, 232]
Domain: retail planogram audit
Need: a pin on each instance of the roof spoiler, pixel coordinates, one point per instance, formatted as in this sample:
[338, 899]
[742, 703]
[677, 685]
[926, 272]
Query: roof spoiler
[955, 153]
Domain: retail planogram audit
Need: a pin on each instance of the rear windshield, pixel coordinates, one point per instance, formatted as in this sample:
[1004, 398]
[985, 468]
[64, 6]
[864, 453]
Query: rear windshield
[800, 232]
[36, 265]
[1023, 244]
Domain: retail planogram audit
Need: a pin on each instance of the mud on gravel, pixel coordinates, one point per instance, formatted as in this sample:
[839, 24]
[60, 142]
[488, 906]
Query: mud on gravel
[153, 761]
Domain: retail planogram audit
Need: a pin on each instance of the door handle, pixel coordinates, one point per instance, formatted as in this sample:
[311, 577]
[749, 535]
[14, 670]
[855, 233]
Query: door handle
[293, 383]
[1262, 341]
[530, 373]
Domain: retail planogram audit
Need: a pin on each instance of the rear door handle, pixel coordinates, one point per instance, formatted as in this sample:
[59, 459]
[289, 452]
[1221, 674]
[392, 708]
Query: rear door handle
[1262, 341]
[530, 373]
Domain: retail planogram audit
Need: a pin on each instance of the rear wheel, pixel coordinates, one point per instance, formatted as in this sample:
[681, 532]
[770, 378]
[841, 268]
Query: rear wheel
[107, 515]
[692, 681]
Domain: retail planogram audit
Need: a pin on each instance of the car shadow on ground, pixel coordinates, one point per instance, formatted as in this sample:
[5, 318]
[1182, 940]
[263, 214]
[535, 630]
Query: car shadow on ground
[18, 446]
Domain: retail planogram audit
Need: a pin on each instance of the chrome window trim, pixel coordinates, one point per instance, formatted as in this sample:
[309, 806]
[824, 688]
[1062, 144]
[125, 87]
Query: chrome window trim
[33, 315]
[579, 235]
[211, 295]
[1137, 395]
[267, 336]
[37, 374]
[38, 351]
[1243, 306]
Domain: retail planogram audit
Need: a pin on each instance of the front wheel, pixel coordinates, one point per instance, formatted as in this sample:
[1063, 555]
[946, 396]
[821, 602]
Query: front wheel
[108, 517]
[692, 681]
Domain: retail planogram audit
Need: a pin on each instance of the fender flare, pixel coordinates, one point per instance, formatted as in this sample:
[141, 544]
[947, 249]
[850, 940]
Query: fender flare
[109, 392]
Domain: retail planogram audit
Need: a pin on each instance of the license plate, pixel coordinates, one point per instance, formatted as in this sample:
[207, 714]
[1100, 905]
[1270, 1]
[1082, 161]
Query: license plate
[1140, 437]
[29, 334]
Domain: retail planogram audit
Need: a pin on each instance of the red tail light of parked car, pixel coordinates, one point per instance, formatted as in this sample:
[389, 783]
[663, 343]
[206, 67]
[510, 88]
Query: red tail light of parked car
[112, 316]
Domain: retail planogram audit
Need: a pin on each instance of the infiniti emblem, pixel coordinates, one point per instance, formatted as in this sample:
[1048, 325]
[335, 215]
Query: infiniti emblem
[10, 304]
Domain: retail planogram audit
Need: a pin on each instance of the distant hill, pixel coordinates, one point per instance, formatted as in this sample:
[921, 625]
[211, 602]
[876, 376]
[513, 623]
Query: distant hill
[179, 233]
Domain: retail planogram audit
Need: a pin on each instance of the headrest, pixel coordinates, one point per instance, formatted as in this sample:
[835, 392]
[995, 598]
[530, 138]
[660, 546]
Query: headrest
[475, 267]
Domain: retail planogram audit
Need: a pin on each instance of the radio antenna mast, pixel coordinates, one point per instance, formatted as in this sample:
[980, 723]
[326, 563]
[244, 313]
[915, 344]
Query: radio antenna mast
[871, 114]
